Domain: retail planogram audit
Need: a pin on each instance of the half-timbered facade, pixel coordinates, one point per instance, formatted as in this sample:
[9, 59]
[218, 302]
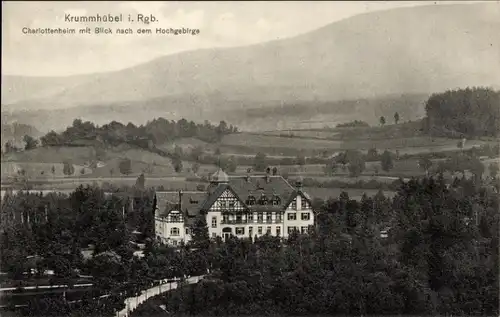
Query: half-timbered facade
[243, 206]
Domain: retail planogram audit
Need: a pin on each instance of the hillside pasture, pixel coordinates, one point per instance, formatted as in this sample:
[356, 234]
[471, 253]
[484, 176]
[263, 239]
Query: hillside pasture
[39, 171]
[288, 146]
[54, 154]
[354, 193]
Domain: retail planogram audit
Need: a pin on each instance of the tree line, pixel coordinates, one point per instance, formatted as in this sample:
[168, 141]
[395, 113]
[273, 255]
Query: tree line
[440, 258]
[440, 255]
[157, 131]
[470, 112]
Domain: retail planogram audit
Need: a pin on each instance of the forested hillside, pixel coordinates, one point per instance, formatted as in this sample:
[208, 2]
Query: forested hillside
[157, 131]
[470, 112]
[440, 258]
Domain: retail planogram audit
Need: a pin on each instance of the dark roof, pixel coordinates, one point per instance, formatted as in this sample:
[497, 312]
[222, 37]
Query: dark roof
[242, 187]
[257, 186]
[190, 203]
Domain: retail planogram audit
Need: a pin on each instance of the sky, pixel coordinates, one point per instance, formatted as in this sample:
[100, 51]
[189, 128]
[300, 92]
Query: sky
[221, 24]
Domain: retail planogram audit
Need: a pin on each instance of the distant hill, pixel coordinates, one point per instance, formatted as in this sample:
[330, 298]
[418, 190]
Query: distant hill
[412, 51]
[15, 132]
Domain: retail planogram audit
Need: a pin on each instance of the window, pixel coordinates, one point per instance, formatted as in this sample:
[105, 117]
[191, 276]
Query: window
[292, 216]
[250, 231]
[250, 217]
[231, 204]
[214, 235]
[238, 219]
[263, 200]
[174, 242]
[294, 204]
[260, 217]
[278, 231]
[174, 231]
[240, 230]
[276, 201]
[175, 218]
[225, 219]
[259, 230]
[251, 200]
[305, 216]
[268, 230]
[303, 230]
[278, 217]
[304, 204]
[187, 230]
[214, 222]
[291, 230]
[269, 217]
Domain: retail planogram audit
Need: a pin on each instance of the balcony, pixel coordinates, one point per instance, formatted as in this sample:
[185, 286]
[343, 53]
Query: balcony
[233, 222]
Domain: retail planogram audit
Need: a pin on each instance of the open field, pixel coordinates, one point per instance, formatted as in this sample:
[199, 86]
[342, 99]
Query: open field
[283, 145]
[354, 193]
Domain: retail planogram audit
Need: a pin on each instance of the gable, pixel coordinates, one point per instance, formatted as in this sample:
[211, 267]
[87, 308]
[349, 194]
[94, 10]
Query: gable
[306, 202]
[227, 200]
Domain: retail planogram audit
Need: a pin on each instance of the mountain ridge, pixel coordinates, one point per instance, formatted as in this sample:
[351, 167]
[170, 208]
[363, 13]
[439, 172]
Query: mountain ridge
[411, 50]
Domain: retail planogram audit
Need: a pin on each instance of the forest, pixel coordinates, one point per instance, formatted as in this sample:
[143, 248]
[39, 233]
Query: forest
[440, 255]
[157, 131]
[471, 112]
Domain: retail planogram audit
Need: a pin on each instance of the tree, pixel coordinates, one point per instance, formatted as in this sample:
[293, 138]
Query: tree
[30, 142]
[386, 161]
[356, 162]
[10, 147]
[125, 166]
[260, 162]
[493, 169]
[68, 168]
[177, 164]
[425, 164]
[372, 155]
[231, 164]
[140, 182]
[195, 167]
[396, 118]
[382, 120]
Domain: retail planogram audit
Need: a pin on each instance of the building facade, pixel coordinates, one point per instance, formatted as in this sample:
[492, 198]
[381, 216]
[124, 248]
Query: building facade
[241, 206]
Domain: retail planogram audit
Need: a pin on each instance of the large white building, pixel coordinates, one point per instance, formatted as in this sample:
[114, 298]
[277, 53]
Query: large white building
[243, 206]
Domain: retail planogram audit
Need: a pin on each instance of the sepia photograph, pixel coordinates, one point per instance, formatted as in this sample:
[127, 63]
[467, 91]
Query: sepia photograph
[250, 158]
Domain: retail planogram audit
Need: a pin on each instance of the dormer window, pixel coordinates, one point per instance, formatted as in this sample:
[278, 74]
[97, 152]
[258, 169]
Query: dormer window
[263, 200]
[276, 201]
[251, 200]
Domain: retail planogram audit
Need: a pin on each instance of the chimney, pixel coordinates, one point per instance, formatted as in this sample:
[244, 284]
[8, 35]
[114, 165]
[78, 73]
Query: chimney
[180, 200]
[298, 183]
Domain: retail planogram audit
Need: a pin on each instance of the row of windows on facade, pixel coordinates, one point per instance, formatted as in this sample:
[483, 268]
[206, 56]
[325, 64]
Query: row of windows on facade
[275, 201]
[241, 231]
[305, 216]
[260, 218]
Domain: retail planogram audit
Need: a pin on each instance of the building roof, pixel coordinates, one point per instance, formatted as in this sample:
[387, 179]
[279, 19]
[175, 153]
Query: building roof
[271, 187]
[169, 201]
